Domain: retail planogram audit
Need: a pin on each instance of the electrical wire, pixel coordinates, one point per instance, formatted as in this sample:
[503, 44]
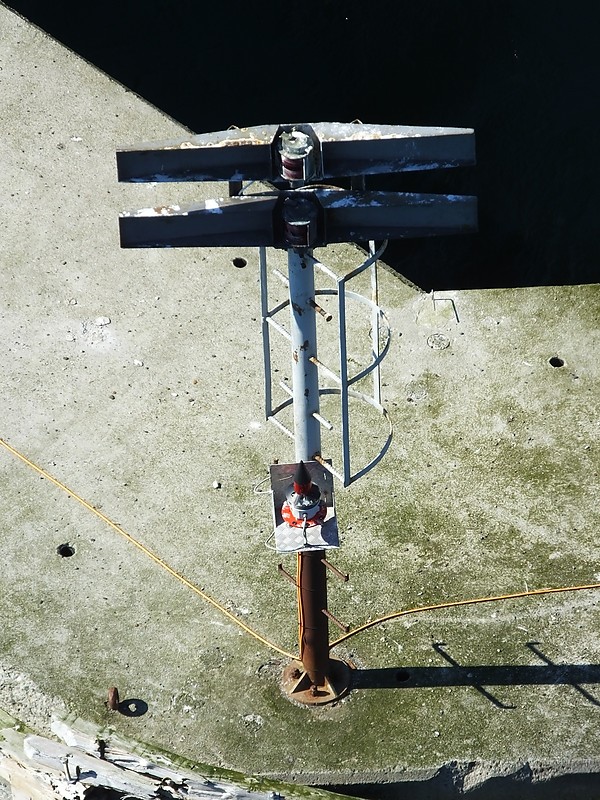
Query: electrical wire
[157, 559]
[257, 490]
[456, 603]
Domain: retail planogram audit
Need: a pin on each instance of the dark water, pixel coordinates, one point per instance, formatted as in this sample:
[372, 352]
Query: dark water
[523, 73]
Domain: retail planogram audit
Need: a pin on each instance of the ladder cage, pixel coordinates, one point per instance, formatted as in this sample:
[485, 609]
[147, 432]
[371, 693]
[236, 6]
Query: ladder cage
[340, 376]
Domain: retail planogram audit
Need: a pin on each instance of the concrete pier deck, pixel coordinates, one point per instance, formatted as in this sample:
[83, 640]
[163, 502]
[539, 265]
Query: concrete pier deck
[134, 378]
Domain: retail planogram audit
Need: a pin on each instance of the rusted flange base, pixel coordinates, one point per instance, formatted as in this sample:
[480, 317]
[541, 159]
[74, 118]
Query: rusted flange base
[298, 686]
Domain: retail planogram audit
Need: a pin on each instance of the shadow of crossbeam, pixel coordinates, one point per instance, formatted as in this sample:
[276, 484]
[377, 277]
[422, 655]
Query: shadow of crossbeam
[439, 648]
[479, 676]
[497, 675]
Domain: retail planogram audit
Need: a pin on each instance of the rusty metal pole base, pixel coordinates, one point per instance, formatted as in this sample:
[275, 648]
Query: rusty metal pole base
[298, 686]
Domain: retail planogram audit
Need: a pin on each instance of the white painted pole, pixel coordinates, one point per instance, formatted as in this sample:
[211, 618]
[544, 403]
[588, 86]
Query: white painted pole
[305, 377]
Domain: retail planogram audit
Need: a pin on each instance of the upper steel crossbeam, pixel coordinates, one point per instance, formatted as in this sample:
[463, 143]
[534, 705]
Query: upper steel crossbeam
[255, 153]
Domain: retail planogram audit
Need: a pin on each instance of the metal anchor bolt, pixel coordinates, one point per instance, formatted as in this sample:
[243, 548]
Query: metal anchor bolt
[113, 698]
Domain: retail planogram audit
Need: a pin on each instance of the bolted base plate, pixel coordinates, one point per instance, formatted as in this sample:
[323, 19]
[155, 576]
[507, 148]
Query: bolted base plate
[298, 686]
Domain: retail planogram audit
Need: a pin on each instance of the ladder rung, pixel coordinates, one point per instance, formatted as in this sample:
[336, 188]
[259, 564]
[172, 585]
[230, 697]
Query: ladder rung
[279, 328]
[330, 373]
[281, 427]
[322, 421]
[281, 276]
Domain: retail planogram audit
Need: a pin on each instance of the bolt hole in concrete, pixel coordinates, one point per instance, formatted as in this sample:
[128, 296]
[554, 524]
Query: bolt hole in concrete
[555, 361]
[65, 550]
[239, 262]
[402, 676]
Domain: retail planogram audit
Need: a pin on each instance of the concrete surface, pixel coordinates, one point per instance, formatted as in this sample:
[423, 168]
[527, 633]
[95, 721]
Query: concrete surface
[490, 487]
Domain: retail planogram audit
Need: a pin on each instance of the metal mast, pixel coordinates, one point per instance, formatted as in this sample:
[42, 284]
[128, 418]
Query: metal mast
[312, 579]
[298, 214]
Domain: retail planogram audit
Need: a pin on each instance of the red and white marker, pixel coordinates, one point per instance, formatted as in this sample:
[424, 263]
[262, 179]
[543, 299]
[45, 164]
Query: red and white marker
[303, 506]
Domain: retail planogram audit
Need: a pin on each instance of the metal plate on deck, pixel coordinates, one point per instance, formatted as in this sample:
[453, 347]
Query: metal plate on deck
[317, 537]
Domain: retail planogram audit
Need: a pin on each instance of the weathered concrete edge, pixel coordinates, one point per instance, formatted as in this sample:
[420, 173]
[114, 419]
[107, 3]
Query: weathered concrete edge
[458, 778]
[253, 783]
[94, 67]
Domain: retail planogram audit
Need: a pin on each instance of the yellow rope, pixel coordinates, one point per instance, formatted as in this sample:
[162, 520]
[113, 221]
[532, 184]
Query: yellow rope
[455, 603]
[246, 628]
[146, 551]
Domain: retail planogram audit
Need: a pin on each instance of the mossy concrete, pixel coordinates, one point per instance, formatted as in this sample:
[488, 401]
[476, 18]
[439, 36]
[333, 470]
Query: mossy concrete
[489, 487]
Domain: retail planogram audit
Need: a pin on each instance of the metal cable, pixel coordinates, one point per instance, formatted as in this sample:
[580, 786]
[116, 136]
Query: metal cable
[157, 559]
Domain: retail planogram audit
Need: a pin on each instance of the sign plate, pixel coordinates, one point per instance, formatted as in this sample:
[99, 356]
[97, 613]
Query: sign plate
[295, 540]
